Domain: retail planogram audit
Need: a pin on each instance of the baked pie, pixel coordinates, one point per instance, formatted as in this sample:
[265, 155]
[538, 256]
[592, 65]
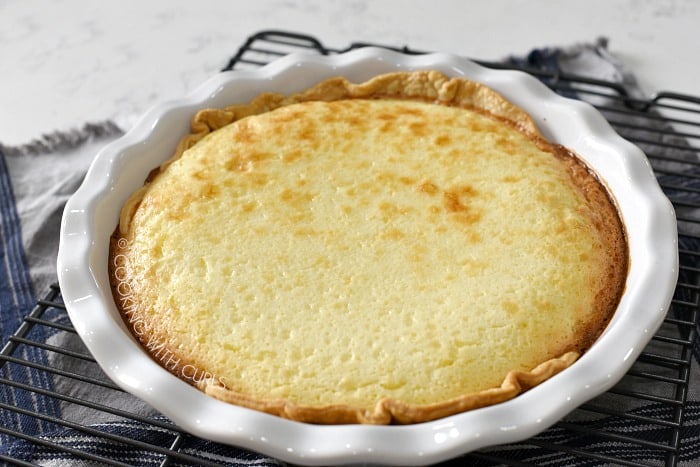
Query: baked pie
[393, 251]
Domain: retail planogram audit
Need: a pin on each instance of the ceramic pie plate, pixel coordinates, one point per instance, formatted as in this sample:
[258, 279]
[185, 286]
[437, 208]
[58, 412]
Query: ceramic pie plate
[121, 167]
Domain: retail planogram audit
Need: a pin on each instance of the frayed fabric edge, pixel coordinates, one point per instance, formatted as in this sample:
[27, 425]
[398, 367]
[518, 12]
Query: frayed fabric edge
[64, 140]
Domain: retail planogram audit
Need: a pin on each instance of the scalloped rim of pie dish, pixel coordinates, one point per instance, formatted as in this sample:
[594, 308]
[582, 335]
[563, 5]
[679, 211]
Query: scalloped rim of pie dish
[120, 168]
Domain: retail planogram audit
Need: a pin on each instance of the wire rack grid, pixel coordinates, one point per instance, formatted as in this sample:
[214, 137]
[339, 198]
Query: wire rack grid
[638, 422]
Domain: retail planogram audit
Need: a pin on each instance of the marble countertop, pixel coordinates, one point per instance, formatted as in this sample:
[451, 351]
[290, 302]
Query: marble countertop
[68, 62]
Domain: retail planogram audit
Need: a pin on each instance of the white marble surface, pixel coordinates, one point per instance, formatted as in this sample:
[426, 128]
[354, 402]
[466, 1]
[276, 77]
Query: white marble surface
[67, 62]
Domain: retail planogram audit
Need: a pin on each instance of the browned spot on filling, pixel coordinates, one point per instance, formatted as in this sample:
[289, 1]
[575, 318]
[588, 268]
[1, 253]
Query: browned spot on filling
[307, 132]
[244, 133]
[243, 162]
[387, 126]
[288, 115]
[296, 198]
[389, 211]
[405, 110]
[457, 199]
[457, 202]
[506, 145]
[248, 207]
[210, 190]
[418, 128]
[393, 234]
[428, 187]
[292, 156]
[442, 140]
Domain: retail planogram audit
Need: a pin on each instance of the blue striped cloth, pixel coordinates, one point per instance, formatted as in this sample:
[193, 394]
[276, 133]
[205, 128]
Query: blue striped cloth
[17, 298]
[17, 290]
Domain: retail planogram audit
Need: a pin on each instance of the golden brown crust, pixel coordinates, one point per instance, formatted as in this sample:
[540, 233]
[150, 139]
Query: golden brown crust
[430, 85]
[425, 86]
[388, 411]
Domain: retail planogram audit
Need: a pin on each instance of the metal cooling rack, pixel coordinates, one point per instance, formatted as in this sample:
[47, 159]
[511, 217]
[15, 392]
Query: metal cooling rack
[638, 422]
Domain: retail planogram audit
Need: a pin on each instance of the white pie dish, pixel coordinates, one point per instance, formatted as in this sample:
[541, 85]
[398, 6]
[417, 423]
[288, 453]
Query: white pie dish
[121, 167]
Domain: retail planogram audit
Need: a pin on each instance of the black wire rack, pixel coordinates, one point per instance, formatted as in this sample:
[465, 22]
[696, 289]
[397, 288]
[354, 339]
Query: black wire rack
[638, 422]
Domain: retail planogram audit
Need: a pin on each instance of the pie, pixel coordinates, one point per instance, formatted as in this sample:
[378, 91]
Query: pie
[388, 252]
